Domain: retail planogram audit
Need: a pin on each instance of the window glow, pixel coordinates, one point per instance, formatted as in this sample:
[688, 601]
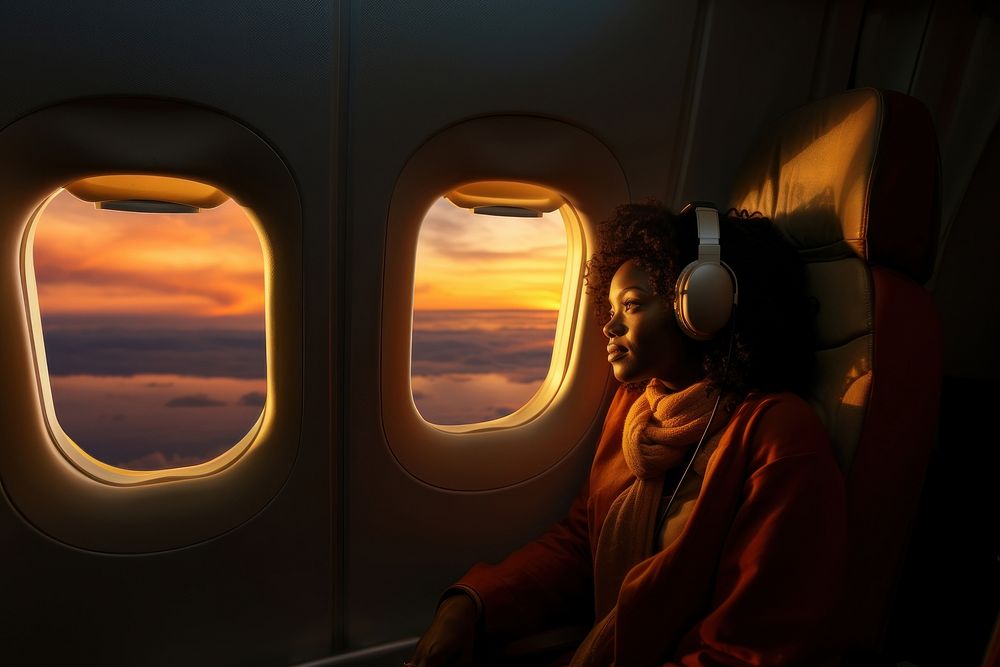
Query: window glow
[153, 330]
[487, 291]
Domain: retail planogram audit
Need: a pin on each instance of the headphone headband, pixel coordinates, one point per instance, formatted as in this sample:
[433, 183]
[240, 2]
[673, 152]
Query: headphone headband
[709, 249]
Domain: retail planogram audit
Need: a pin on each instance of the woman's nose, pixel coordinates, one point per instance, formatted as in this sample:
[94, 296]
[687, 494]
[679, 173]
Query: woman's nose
[613, 327]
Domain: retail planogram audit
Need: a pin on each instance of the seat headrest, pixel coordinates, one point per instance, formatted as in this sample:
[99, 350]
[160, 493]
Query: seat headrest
[857, 172]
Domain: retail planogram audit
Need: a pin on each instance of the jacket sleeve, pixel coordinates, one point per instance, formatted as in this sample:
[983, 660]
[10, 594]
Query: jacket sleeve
[781, 570]
[546, 583]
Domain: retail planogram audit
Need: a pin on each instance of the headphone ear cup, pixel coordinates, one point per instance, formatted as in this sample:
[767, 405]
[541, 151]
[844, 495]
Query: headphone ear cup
[703, 299]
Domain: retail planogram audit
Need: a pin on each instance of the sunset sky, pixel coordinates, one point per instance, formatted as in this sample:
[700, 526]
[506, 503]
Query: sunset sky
[104, 263]
[154, 323]
[470, 261]
[209, 265]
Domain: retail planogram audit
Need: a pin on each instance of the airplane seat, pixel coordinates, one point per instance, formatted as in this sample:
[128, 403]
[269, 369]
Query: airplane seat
[853, 182]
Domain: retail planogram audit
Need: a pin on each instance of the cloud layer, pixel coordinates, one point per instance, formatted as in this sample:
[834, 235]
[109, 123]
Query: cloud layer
[147, 399]
[121, 351]
[473, 366]
[194, 401]
[520, 355]
[151, 421]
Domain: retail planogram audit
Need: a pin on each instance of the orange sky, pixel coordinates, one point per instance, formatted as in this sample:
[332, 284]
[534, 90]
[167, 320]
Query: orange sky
[209, 266]
[469, 261]
[96, 262]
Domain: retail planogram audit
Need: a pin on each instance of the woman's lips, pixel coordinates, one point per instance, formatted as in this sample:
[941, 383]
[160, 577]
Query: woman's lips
[616, 352]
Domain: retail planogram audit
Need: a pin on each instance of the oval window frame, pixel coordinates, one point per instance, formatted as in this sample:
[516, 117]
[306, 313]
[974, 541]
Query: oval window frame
[147, 511]
[506, 451]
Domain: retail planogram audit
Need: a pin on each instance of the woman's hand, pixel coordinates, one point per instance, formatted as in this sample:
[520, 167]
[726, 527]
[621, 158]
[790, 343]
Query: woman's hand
[448, 641]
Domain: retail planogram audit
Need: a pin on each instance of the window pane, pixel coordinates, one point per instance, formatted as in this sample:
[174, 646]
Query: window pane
[486, 299]
[153, 325]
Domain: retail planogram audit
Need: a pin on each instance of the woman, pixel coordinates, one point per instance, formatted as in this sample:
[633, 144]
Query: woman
[712, 527]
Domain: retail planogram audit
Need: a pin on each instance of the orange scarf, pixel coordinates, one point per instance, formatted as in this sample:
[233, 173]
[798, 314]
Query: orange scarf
[660, 428]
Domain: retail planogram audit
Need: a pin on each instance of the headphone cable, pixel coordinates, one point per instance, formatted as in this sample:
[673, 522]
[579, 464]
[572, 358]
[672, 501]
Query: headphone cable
[725, 374]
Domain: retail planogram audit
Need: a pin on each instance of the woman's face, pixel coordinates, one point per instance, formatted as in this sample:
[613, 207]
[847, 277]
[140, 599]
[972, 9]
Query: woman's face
[644, 341]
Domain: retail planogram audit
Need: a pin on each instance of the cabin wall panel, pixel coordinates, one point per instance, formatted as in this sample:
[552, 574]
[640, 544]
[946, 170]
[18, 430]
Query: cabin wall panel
[946, 55]
[956, 77]
[610, 68]
[759, 61]
[267, 63]
[837, 45]
[261, 594]
[965, 285]
[890, 43]
[966, 110]
[251, 597]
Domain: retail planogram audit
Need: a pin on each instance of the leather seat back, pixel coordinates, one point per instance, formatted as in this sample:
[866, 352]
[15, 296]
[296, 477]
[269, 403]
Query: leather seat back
[852, 181]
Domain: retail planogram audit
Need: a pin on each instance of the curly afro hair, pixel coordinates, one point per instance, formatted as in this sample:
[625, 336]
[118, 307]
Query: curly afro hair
[773, 345]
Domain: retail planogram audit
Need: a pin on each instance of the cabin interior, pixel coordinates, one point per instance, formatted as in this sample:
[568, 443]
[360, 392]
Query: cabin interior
[325, 530]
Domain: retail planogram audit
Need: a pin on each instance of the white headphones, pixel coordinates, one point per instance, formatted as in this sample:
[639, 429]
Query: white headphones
[706, 289]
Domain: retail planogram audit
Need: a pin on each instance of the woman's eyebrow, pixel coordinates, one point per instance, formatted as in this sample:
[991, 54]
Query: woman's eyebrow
[632, 287]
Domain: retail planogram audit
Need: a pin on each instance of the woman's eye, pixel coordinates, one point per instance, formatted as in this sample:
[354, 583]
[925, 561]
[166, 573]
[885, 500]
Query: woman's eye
[629, 305]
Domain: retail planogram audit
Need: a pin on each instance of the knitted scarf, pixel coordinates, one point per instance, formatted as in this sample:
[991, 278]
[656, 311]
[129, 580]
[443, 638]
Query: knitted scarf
[659, 429]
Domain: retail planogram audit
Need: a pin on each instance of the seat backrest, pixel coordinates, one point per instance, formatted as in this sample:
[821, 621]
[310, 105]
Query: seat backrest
[852, 181]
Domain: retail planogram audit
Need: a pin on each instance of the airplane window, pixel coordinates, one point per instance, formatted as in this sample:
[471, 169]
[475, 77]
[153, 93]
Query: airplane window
[152, 318]
[487, 290]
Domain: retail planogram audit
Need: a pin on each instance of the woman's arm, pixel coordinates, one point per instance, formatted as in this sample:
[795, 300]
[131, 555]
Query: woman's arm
[529, 591]
[550, 581]
[545, 583]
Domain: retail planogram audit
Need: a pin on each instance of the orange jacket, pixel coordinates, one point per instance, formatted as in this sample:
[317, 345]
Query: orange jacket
[753, 579]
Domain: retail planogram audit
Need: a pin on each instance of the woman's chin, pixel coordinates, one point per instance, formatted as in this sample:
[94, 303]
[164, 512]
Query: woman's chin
[623, 375]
